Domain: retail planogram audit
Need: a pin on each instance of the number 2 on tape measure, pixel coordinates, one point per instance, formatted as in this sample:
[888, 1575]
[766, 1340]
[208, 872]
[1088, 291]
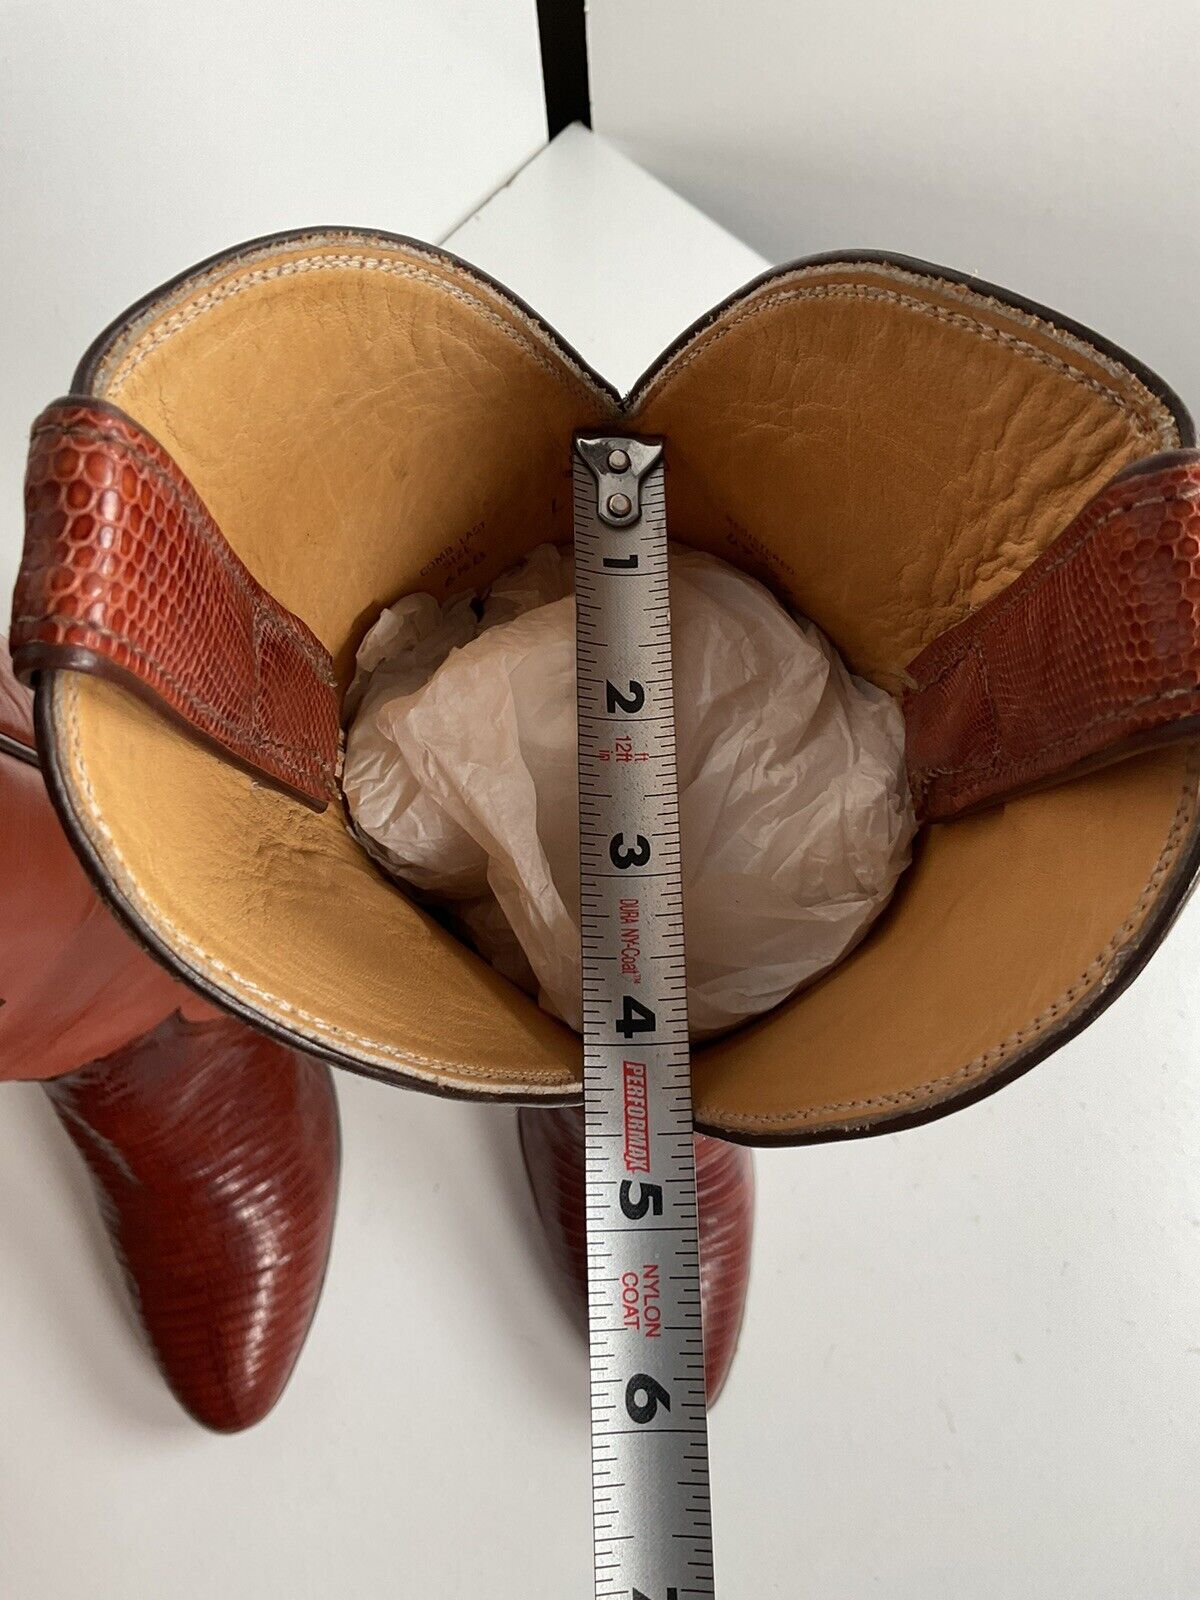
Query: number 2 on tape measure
[652, 1531]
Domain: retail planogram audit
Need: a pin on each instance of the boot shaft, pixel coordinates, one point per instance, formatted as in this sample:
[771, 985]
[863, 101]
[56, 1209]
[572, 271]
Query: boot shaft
[74, 986]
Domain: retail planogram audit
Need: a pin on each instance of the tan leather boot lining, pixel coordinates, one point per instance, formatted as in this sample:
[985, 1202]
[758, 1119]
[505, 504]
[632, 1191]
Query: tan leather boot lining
[884, 448]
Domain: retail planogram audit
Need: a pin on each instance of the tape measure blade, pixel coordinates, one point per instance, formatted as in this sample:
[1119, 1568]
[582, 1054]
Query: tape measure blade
[652, 1529]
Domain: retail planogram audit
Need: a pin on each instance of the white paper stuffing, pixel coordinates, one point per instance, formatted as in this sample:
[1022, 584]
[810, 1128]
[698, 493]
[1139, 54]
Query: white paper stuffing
[460, 777]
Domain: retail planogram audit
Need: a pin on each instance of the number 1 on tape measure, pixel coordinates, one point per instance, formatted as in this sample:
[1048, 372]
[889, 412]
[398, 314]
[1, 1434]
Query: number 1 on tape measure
[651, 1520]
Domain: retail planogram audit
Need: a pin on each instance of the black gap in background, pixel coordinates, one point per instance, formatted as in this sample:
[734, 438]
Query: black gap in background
[562, 25]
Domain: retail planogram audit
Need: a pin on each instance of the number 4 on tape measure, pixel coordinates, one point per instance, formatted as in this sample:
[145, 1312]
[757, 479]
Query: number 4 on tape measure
[652, 1529]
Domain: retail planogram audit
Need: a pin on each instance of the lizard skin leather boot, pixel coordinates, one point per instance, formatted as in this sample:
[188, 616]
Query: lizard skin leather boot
[552, 1144]
[214, 1151]
[992, 513]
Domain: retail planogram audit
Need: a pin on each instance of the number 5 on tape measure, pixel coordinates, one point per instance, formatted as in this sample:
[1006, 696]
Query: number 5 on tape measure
[652, 1528]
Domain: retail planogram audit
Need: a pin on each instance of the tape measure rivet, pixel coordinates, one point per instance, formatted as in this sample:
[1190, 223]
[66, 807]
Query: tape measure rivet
[619, 505]
[618, 461]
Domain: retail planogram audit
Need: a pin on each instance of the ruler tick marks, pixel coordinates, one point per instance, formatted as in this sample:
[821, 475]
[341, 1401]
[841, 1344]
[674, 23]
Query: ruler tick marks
[649, 1434]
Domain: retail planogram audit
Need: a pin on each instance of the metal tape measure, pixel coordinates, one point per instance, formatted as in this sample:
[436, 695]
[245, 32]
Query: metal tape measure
[651, 1518]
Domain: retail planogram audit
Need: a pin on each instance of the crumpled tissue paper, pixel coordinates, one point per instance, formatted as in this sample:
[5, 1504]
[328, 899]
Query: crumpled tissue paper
[460, 778]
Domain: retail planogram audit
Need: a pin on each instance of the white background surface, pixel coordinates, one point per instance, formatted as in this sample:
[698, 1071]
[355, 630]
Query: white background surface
[1049, 145]
[139, 136]
[971, 1364]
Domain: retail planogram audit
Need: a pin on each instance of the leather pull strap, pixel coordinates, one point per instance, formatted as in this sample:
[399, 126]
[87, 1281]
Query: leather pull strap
[1091, 654]
[125, 574]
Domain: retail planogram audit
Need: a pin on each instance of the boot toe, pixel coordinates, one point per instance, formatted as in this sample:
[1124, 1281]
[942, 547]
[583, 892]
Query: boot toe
[553, 1150]
[215, 1154]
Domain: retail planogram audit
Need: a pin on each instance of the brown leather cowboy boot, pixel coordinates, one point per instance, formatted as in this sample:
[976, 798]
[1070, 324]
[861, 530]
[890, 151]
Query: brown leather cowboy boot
[992, 513]
[552, 1145]
[214, 1150]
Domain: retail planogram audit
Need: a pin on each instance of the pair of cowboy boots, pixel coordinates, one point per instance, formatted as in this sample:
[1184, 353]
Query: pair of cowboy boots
[214, 1150]
[991, 512]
